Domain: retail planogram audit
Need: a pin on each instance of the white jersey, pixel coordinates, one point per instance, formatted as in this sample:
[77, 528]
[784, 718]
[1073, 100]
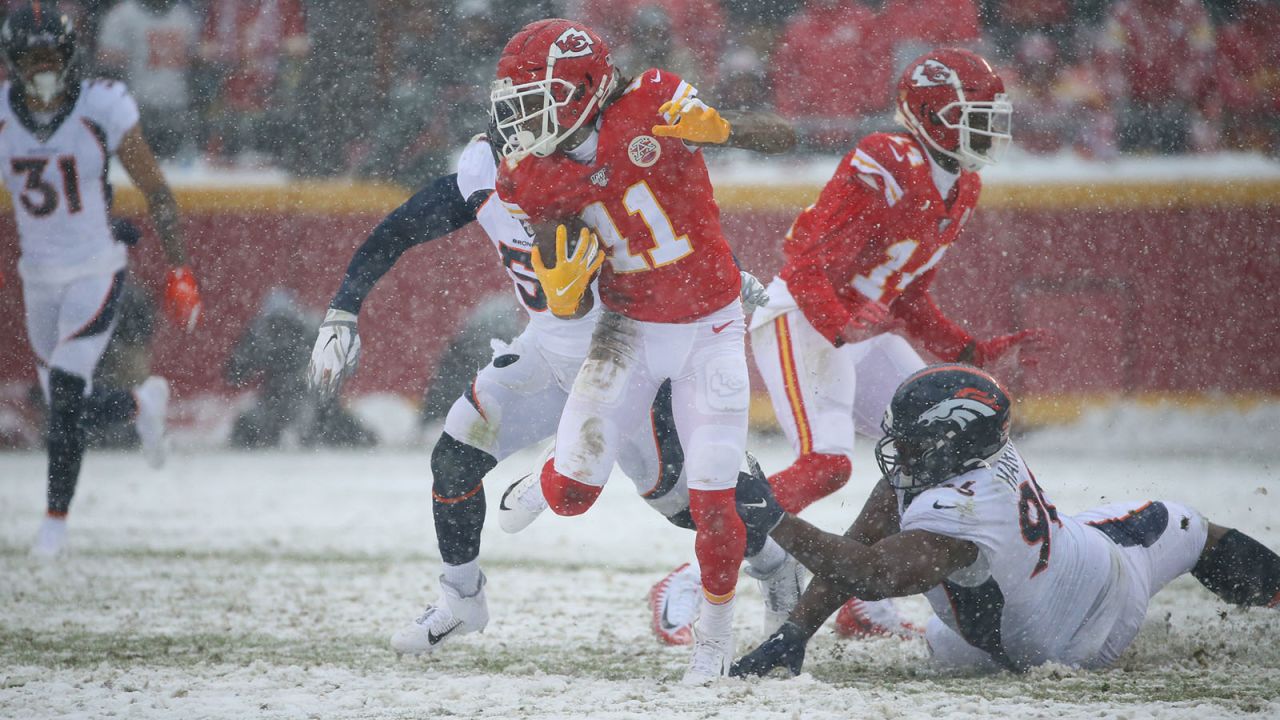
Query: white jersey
[1045, 586]
[156, 50]
[56, 177]
[477, 172]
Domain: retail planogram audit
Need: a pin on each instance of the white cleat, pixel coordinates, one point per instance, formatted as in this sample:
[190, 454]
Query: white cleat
[51, 538]
[522, 503]
[712, 656]
[674, 602]
[152, 396]
[781, 590]
[450, 616]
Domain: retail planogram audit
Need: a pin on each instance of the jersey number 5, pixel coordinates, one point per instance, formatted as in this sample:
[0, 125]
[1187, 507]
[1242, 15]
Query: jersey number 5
[1034, 516]
[38, 196]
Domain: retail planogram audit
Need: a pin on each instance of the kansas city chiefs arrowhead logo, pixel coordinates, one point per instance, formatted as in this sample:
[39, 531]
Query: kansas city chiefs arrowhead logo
[571, 43]
[931, 73]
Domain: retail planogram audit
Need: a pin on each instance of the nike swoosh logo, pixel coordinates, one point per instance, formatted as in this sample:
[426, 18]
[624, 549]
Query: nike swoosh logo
[717, 328]
[657, 76]
[936, 506]
[666, 623]
[561, 291]
[434, 639]
[502, 504]
[760, 504]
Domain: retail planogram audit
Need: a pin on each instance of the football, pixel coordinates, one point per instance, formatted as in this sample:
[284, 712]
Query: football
[545, 238]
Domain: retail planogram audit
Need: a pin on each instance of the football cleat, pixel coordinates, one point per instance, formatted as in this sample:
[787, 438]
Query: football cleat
[781, 590]
[711, 659]
[674, 601]
[450, 616]
[523, 501]
[873, 618]
[152, 397]
[51, 538]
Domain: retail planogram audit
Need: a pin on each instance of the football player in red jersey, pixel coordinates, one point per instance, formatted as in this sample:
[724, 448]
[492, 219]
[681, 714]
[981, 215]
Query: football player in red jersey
[624, 156]
[859, 263]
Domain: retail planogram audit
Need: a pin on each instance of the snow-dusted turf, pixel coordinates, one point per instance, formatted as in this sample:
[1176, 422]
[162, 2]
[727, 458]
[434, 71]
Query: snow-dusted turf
[265, 585]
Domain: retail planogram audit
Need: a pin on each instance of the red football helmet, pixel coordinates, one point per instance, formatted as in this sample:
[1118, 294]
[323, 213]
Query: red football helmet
[552, 78]
[955, 102]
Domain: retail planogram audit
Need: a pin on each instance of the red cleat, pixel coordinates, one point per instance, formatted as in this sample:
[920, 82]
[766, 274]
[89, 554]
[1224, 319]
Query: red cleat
[864, 619]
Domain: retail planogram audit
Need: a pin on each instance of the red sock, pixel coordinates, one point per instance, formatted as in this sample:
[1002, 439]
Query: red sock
[809, 479]
[720, 541]
[565, 495]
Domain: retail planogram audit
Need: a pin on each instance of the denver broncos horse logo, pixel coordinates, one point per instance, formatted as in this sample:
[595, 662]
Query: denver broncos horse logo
[958, 410]
[571, 43]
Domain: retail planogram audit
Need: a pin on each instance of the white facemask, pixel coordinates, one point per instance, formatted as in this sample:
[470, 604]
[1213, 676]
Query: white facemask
[47, 85]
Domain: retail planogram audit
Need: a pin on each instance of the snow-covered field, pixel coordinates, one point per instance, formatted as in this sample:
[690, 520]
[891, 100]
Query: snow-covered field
[265, 585]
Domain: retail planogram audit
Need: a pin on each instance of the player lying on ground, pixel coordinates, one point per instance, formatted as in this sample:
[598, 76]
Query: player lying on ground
[1013, 582]
[860, 263]
[57, 136]
[513, 403]
[624, 155]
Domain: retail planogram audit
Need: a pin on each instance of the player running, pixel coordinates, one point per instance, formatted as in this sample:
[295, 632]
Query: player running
[57, 135]
[859, 264]
[513, 403]
[1013, 582]
[623, 154]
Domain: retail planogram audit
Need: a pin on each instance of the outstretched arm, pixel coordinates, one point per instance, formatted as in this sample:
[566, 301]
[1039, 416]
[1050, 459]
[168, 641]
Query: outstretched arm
[763, 132]
[181, 292]
[697, 123]
[902, 564]
[878, 520]
[434, 211]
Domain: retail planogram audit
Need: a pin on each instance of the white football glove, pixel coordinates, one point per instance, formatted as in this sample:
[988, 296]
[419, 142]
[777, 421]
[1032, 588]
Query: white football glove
[753, 295]
[336, 353]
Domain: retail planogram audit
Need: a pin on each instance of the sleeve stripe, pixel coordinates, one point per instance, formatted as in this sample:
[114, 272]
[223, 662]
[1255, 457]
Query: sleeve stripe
[863, 163]
[683, 90]
[514, 209]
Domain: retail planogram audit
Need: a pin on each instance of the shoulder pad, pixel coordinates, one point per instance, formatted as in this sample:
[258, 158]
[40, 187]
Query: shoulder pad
[101, 90]
[887, 160]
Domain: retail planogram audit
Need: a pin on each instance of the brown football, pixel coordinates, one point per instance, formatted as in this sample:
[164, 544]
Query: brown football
[545, 238]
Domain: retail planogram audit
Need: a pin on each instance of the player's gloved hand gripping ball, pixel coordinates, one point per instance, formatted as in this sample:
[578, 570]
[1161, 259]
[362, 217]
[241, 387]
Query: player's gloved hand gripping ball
[565, 282]
[182, 298]
[336, 353]
[693, 121]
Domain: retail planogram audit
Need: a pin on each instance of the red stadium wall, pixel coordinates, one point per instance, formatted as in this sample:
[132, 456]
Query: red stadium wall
[1154, 287]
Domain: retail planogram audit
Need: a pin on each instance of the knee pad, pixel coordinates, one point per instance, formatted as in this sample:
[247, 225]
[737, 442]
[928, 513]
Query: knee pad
[457, 469]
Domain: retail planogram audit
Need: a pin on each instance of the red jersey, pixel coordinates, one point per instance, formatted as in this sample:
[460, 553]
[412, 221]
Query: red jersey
[650, 201]
[875, 234]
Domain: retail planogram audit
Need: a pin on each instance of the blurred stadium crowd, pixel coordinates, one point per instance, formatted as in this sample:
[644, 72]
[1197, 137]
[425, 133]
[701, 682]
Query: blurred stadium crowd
[387, 89]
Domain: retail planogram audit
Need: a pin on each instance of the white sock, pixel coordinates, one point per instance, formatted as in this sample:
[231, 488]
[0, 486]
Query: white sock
[769, 559]
[464, 577]
[716, 619]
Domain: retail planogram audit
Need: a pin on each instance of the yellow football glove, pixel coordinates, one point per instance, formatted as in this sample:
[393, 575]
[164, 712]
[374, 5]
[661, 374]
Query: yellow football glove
[693, 121]
[565, 283]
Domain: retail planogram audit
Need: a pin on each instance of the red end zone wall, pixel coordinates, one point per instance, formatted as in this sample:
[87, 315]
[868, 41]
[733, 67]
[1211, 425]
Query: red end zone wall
[1152, 287]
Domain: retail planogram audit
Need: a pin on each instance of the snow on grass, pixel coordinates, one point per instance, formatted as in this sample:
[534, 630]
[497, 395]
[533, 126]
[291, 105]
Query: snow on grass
[265, 585]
